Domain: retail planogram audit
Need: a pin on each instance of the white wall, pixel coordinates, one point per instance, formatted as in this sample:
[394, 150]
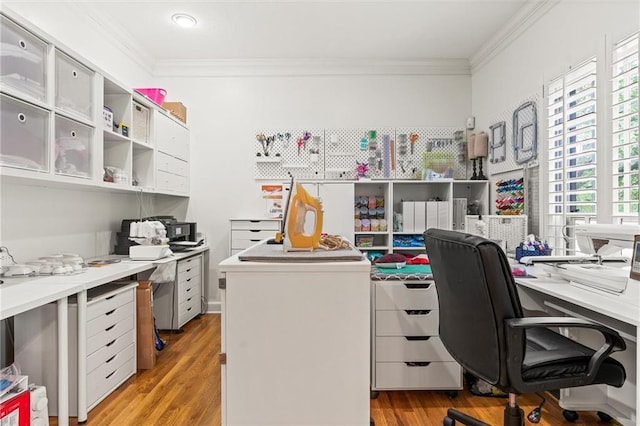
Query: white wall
[566, 35]
[225, 113]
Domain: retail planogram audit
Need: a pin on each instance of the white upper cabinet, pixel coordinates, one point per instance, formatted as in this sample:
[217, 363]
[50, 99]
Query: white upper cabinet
[23, 61]
[70, 122]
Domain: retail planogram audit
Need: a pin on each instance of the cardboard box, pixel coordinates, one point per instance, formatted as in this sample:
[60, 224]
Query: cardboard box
[177, 109]
[146, 345]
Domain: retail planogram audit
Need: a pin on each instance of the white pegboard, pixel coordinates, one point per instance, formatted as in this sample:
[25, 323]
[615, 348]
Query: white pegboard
[285, 156]
[509, 163]
[510, 229]
[341, 149]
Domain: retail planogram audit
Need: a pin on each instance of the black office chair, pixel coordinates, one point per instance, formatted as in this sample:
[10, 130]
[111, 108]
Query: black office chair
[483, 327]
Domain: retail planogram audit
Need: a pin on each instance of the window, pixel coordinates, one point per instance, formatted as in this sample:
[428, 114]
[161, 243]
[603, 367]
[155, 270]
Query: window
[572, 158]
[624, 128]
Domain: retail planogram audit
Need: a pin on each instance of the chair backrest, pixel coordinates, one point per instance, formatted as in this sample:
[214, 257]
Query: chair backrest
[476, 293]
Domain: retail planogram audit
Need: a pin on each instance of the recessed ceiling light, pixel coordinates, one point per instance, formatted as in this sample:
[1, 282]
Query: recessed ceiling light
[184, 20]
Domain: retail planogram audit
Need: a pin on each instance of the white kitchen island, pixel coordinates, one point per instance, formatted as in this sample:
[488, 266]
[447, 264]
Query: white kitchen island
[295, 340]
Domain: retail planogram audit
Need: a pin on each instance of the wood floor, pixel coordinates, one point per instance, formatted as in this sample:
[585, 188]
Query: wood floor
[184, 390]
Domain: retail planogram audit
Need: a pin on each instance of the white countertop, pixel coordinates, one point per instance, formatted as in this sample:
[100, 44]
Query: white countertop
[18, 295]
[596, 300]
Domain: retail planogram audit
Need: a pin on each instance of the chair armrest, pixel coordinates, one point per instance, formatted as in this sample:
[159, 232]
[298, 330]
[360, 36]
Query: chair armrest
[515, 336]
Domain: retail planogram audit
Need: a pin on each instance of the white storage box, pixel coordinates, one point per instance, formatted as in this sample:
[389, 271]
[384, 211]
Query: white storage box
[148, 252]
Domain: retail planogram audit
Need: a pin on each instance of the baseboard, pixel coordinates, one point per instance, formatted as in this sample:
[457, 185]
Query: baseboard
[214, 307]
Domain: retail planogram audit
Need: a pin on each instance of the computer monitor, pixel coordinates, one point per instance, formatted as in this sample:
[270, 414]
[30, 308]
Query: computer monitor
[605, 239]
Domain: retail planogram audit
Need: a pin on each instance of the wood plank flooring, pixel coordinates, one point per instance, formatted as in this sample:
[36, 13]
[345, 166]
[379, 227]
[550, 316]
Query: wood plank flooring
[184, 390]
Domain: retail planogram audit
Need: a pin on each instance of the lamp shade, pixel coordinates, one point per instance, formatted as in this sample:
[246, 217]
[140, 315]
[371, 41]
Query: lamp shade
[471, 146]
[481, 148]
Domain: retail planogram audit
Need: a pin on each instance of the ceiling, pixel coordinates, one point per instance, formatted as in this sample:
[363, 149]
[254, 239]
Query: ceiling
[308, 29]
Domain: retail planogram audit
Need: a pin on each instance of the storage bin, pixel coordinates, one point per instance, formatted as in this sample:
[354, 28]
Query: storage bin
[73, 148]
[155, 94]
[23, 60]
[24, 135]
[364, 240]
[74, 86]
[140, 127]
[177, 109]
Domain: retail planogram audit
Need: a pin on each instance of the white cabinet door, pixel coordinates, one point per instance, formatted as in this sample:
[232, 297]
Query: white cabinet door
[337, 205]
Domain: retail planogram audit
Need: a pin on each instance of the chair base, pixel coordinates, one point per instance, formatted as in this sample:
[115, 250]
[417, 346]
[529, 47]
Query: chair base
[513, 416]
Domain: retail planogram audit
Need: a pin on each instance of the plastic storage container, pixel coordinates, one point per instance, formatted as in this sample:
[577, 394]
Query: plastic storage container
[24, 135]
[157, 95]
[73, 142]
[74, 86]
[23, 61]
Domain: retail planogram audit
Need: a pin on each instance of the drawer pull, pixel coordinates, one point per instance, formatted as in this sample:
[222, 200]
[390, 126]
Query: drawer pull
[188, 281]
[417, 364]
[110, 312]
[109, 328]
[189, 299]
[111, 343]
[416, 338]
[110, 359]
[189, 289]
[254, 221]
[254, 230]
[417, 311]
[188, 270]
[254, 241]
[417, 285]
[112, 373]
[110, 297]
[189, 309]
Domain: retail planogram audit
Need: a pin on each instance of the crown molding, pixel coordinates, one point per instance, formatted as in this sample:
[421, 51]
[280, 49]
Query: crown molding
[309, 67]
[525, 17]
[119, 35]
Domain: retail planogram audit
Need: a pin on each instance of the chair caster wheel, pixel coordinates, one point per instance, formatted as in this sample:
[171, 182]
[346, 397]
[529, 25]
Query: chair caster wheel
[374, 394]
[371, 422]
[604, 417]
[452, 394]
[570, 415]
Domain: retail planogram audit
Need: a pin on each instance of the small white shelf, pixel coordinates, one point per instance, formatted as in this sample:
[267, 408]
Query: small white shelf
[268, 160]
[373, 248]
[113, 136]
[371, 233]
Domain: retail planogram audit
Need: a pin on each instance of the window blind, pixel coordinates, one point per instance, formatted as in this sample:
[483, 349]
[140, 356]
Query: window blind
[572, 159]
[625, 141]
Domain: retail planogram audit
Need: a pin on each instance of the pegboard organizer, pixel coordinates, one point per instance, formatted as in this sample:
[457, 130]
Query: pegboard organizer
[389, 153]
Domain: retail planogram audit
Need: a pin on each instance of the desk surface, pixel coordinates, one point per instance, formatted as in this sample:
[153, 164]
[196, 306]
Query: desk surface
[18, 295]
[593, 299]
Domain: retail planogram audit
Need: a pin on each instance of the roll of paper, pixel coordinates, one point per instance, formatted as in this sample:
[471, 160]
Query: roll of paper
[481, 148]
[471, 146]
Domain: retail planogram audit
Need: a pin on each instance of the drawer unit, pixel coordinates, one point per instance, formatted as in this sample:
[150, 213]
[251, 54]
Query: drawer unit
[407, 352]
[73, 148]
[23, 60]
[418, 375]
[74, 86]
[247, 232]
[406, 295]
[407, 323]
[24, 135]
[111, 343]
[175, 303]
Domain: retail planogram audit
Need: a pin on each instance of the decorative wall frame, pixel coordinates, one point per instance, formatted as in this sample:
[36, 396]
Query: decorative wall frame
[525, 133]
[498, 142]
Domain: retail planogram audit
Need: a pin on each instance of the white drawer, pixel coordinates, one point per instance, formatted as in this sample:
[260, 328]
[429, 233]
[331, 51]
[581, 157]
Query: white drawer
[103, 379]
[102, 306]
[170, 164]
[109, 318]
[184, 278]
[251, 235]
[23, 60]
[190, 263]
[24, 135]
[264, 225]
[244, 244]
[189, 289]
[163, 162]
[74, 86]
[406, 295]
[411, 348]
[402, 323]
[103, 337]
[110, 349]
[188, 309]
[433, 375]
